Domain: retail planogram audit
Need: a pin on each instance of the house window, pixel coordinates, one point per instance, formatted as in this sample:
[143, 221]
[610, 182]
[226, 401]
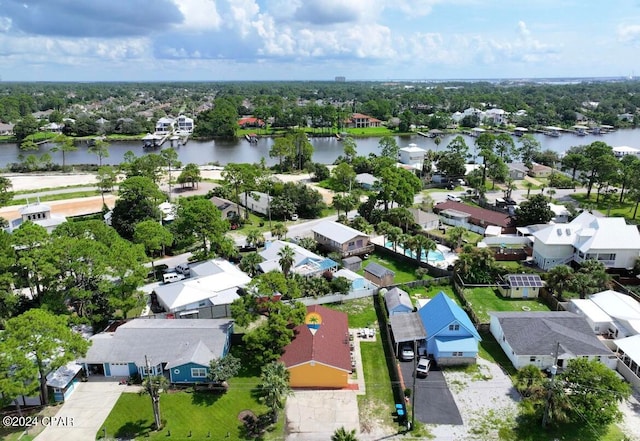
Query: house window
[198, 372]
[532, 359]
[454, 327]
[456, 354]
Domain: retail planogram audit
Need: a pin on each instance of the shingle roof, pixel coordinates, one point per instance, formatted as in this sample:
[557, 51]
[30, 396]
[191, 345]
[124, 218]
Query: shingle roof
[440, 312]
[378, 270]
[490, 217]
[329, 345]
[407, 327]
[396, 297]
[174, 342]
[538, 333]
[337, 231]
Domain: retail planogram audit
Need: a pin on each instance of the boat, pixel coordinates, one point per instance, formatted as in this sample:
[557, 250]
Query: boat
[251, 137]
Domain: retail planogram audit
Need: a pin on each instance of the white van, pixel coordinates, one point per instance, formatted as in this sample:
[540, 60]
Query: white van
[170, 277]
[183, 268]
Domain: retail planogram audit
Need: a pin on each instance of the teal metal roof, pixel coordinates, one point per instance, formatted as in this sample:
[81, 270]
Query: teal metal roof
[455, 344]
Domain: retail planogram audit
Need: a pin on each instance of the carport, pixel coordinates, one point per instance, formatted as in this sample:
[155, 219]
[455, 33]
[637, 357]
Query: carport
[405, 328]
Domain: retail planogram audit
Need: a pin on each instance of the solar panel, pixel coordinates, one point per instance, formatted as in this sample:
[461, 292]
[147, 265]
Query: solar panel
[525, 280]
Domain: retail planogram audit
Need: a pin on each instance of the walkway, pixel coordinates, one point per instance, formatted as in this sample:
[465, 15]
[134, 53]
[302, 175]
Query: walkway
[81, 416]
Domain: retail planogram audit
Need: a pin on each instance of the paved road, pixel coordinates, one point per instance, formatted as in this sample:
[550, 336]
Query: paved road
[434, 403]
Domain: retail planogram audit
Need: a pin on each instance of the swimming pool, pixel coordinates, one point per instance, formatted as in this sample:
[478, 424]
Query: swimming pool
[431, 256]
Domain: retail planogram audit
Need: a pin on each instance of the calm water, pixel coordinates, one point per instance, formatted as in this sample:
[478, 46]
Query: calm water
[326, 150]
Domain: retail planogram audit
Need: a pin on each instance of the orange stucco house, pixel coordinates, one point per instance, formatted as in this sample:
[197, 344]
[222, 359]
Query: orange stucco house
[319, 354]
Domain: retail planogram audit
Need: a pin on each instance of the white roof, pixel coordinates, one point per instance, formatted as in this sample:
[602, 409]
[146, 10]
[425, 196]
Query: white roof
[630, 346]
[34, 208]
[617, 305]
[591, 310]
[412, 148]
[337, 231]
[625, 149]
[348, 274]
[558, 210]
[493, 230]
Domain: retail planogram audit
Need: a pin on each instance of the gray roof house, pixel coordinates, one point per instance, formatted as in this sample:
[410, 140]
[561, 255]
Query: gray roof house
[228, 209]
[366, 180]
[378, 274]
[426, 220]
[340, 238]
[180, 349]
[517, 170]
[536, 337]
[398, 301]
[305, 262]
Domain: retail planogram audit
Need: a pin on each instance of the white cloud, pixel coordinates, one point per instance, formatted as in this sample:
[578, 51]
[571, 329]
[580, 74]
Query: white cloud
[199, 15]
[629, 33]
[5, 24]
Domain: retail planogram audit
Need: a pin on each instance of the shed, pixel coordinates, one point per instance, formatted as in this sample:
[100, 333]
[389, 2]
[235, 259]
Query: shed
[357, 281]
[397, 301]
[353, 263]
[378, 274]
[521, 286]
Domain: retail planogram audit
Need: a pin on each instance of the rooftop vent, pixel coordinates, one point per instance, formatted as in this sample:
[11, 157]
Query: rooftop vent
[559, 231]
[568, 231]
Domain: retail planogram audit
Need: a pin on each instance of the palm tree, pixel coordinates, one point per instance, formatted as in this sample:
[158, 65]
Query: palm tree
[274, 387]
[383, 229]
[393, 235]
[250, 264]
[559, 278]
[423, 243]
[308, 243]
[100, 148]
[287, 259]
[529, 186]
[456, 234]
[279, 230]
[153, 386]
[255, 237]
[341, 434]
[551, 192]
[406, 240]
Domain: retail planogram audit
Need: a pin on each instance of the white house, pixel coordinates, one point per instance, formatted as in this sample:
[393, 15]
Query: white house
[39, 214]
[413, 156]
[624, 150]
[609, 313]
[540, 338]
[496, 116]
[185, 124]
[606, 239]
[165, 125]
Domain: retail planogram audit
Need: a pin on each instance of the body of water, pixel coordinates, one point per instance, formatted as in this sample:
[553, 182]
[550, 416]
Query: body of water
[326, 150]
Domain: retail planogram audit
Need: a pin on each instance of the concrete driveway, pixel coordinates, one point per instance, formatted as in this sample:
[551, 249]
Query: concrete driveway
[81, 416]
[313, 415]
[434, 402]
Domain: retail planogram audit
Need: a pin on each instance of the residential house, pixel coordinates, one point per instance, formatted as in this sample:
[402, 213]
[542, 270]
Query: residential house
[451, 337]
[521, 286]
[256, 201]
[185, 124]
[543, 339]
[628, 352]
[39, 214]
[228, 209]
[181, 350]
[625, 117]
[52, 127]
[517, 171]
[378, 274]
[305, 262]
[624, 150]
[366, 180]
[495, 116]
[319, 354]
[540, 171]
[413, 156]
[336, 237]
[209, 292]
[168, 212]
[560, 213]
[250, 122]
[609, 313]
[353, 263]
[359, 121]
[473, 218]
[398, 301]
[165, 125]
[477, 131]
[6, 129]
[606, 239]
[427, 221]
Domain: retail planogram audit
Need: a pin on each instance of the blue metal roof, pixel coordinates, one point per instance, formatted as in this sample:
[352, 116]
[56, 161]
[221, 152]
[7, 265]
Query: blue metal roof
[327, 264]
[440, 312]
[455, 344]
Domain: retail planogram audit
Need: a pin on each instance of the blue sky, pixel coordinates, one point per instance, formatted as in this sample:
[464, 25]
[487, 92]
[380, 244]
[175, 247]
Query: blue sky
[226, 40]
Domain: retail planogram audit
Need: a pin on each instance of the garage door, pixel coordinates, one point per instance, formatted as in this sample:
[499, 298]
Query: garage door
[119, 369]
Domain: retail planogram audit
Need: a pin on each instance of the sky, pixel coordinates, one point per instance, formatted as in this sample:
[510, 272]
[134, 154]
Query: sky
[286, 40]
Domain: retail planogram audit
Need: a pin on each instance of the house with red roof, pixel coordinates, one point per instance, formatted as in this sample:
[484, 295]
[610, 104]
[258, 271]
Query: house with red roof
[359, 120]
[473, 218]
[319, 355]
[250, 121]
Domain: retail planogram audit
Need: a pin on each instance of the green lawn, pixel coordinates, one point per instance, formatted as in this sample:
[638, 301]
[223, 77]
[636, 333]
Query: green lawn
[361, 312]
[405, 272]
[378, 403]
[58, 197]
[429, 292]
[613, 209]
[200, 412]
[484, 300]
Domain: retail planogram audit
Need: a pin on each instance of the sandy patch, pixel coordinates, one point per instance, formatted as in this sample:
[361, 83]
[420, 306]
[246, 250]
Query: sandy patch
[40, 181]
[69, 207]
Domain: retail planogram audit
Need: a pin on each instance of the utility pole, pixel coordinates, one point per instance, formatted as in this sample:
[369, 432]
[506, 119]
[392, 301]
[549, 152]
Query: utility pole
[413, 395]
[554, 370]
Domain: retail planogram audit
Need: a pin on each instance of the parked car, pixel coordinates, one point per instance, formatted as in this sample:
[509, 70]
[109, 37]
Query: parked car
[294, 217]
[423, 367]
[183, 268]
[454, 198]
[406, 353]
[170, 277]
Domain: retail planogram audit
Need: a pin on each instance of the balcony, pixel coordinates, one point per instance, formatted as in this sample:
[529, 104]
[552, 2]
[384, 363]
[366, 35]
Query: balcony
[368, 249]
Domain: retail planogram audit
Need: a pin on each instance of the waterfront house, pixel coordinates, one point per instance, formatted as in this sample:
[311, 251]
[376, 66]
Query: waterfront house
[473, 218]
[319, 354]
[540, 338]
[39, 214]
[359, 120]
[165, 125]
[181, 350]
[347, 241]
[413, 156]
[185, 124]
[250, 122]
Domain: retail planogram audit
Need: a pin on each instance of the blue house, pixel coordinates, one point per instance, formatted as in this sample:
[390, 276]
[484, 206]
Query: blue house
[180, 349]
[452, 339]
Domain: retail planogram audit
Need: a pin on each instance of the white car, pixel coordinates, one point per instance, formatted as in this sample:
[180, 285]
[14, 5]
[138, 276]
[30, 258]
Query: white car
[423, 367]
[294, 217]
[454, 198]
[406, 353]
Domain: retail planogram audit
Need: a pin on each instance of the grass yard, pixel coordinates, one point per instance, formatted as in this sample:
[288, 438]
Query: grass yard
[58, 197]
[405, 272]
[531, 431]
[483, 300]
[429, 292]
[377, 404]
[201, 413]
[613, 209]
[361, 312]
[489, 349]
